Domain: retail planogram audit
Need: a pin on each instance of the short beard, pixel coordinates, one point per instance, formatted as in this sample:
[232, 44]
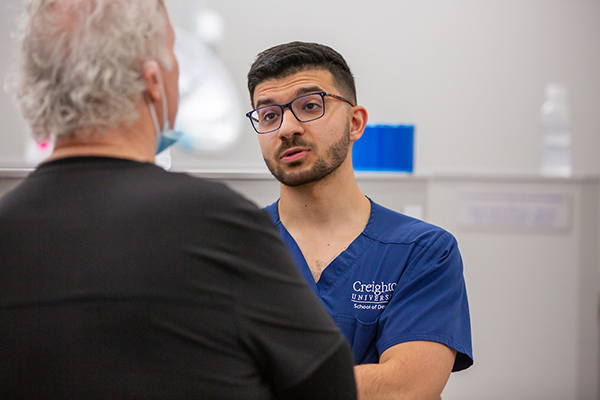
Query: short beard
[321, 169]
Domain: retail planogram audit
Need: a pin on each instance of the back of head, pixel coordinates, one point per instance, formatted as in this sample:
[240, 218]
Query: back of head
[287, 59]
[81, 62]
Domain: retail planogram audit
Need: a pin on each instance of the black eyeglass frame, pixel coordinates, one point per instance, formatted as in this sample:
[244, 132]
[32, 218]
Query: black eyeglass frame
[289, 105]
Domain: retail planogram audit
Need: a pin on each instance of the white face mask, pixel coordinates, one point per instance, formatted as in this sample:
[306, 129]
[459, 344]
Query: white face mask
[166, 136]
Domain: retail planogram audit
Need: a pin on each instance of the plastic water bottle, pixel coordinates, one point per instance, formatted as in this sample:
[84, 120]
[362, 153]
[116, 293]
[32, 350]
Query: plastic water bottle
[556, 140]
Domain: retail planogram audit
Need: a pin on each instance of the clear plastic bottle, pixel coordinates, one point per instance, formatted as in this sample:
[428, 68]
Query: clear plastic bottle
[556, 131]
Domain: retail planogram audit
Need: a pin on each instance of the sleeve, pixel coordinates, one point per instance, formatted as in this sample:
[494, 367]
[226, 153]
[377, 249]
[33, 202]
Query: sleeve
[430, 303]
[318, 384]
[280, 319]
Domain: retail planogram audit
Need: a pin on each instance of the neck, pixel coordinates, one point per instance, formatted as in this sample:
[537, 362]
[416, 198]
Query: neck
[134, 142]
[334, 201]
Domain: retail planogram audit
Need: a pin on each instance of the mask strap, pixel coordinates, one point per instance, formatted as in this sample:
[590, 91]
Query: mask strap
[154, 116]
[163, 97]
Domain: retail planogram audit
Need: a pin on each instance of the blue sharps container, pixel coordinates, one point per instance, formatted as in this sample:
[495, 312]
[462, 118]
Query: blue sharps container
[384, 147]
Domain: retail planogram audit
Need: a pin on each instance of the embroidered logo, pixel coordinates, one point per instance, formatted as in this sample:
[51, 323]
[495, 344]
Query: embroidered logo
[372, 296]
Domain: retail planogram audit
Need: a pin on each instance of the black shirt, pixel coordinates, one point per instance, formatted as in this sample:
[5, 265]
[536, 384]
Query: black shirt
[119, 280]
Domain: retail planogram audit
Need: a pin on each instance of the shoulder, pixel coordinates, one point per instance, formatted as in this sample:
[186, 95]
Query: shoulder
[149, 192]
[198, 192]
[391, 227]
[273, 212]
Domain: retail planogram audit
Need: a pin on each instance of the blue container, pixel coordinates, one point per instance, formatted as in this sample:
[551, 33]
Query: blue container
[384, 148]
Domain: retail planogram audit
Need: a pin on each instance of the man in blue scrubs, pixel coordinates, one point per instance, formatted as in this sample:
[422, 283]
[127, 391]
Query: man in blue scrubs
[393, 284]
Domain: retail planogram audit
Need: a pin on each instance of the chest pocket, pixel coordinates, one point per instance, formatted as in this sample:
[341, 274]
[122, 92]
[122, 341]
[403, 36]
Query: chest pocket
[361, 336]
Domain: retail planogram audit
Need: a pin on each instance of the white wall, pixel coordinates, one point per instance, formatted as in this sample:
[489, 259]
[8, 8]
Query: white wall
[12, 127]
[469, 73]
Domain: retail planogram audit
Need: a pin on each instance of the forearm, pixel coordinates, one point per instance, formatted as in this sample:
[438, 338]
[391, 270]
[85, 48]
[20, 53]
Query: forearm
[374, 382]
[371, 383]
[415, 370]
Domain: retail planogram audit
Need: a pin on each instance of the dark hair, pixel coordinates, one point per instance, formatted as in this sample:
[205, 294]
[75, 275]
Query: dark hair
[287, 59]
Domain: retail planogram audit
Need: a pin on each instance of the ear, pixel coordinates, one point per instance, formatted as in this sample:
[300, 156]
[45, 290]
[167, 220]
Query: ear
[358, 122]
[152, 80]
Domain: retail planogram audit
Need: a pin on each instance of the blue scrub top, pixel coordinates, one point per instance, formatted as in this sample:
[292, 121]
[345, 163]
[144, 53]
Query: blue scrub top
[400, 280]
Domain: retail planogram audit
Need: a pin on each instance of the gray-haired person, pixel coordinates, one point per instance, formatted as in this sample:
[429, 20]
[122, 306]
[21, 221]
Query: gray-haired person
[120, 280]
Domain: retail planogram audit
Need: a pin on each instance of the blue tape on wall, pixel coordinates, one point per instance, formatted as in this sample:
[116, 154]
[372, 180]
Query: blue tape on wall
[385, 148]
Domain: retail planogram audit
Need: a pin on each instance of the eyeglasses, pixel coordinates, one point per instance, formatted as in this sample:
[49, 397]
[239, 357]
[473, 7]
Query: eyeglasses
[305, 108]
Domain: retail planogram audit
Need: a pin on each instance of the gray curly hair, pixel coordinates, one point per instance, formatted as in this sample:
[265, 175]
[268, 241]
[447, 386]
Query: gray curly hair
[81, 62]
